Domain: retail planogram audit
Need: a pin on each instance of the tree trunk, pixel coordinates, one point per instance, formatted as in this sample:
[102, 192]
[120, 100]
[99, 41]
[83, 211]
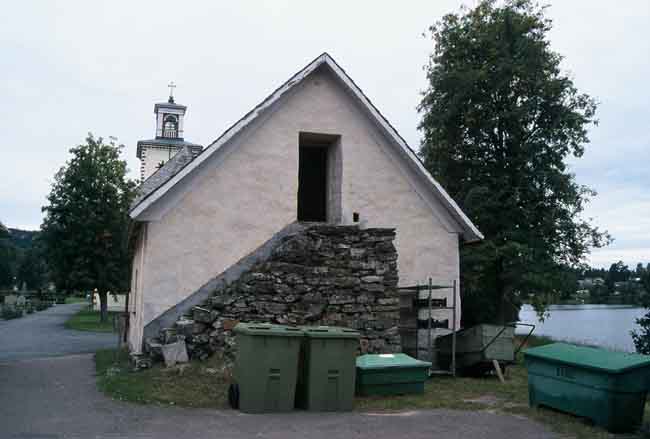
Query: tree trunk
[103, 302]
[500, 294]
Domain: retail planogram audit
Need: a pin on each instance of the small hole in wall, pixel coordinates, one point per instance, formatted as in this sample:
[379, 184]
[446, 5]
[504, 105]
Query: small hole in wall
[355, 217]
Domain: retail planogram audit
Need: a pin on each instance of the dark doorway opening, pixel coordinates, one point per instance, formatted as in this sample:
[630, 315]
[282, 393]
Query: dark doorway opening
[312, 183]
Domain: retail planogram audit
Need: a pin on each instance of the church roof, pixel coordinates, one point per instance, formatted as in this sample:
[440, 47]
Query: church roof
[169, 105]
[176, 142]
[162, 175]
[470, 231]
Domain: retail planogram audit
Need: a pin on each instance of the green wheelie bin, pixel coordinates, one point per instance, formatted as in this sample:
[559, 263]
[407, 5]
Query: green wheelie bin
[327, 371]
[266, 367]
[607, 387]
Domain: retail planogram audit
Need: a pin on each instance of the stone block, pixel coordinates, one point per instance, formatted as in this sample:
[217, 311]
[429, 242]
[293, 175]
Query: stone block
[140, 362]
[168, 335]
[153, 347]
[357, 253]
[341, 299]
[373, 287]
[365, 298]
[388, 301]
[217, 302]
[354, 308]
[201, 338]
[346, 281]
[184, 327]
[372, 279]
[203, 315]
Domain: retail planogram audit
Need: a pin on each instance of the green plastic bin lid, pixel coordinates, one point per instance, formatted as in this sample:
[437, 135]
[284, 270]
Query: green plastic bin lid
[267, 329]
[329, 332]
[588, 357]
[384, 361]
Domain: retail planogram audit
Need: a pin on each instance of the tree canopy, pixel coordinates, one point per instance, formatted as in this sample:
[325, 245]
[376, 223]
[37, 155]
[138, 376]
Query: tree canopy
[6, 273]
[499, 120]
[86, 220]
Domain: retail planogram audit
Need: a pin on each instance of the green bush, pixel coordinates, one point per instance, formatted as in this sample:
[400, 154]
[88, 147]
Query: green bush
[40, 305]
[641, 337]
[10, 312]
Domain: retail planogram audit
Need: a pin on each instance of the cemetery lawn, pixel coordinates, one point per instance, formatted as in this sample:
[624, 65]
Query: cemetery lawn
[86, 320]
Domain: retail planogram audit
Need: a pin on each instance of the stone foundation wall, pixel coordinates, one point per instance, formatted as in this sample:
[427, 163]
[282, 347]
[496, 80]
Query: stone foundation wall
[324, 275]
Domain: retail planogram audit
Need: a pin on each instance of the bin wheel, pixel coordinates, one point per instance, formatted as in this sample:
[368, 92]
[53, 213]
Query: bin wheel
[233, 396]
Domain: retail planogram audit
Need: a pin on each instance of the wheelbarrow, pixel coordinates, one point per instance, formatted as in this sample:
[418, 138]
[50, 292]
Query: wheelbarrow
[478, 347]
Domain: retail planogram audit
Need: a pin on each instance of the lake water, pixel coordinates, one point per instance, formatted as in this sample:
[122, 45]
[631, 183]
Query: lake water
[608, 326]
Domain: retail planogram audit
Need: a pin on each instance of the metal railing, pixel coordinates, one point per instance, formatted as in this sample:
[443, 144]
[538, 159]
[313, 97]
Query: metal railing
[431, 304]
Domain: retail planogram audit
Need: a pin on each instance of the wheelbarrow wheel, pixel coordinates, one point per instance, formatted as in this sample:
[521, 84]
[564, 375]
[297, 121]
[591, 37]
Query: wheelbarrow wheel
[233, 396]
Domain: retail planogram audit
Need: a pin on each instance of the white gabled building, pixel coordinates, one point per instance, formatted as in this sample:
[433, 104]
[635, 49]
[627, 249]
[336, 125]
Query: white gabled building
[316, 149]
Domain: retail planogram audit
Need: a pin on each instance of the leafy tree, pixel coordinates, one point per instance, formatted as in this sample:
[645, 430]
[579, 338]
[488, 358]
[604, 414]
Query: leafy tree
[32, 270]
[499, 121]
[618, 272]
[6, 273]
[639, 271]
[641, 338]
[86, 221]
[645, 279]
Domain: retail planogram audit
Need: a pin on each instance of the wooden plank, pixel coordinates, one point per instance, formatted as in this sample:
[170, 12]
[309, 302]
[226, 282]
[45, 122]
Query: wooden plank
[497, 368]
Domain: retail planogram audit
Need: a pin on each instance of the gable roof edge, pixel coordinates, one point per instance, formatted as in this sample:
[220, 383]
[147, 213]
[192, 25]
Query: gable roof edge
[455, 210]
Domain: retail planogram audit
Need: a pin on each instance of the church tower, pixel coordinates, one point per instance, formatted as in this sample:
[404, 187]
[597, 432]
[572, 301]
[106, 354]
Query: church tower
[154, 153]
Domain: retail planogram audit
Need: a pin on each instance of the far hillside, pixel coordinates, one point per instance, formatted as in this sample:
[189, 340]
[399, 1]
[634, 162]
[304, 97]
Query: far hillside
[23, 239]
[21, 260]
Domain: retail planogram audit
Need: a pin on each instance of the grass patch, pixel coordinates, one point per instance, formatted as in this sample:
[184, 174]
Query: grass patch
[197, 385]
[75, 299]
[86, 320]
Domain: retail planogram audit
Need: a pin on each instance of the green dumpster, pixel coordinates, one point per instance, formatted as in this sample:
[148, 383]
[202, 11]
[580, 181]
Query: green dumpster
[266, 367]
[390, 374]
[326, 378]
[607, 387]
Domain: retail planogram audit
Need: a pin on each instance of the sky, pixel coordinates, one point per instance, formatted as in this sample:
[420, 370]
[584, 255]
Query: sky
[72, 67]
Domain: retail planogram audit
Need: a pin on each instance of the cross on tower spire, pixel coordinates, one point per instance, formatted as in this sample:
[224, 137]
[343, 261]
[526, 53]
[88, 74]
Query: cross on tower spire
[171, 86]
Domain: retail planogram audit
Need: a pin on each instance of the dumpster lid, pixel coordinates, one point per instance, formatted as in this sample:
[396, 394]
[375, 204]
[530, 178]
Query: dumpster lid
[267, 329]
[330, 332]
[383, 361]
[588, 357]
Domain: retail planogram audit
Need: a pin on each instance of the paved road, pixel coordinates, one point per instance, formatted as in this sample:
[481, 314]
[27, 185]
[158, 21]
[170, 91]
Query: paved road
[42, 335]
[57, 397]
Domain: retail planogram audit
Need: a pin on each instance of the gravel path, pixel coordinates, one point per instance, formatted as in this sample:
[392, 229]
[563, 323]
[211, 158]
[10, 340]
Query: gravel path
[57, 397]
[42, 334]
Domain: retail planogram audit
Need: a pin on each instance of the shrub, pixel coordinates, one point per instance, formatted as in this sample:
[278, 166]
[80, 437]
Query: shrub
[41, 305]
[641, 338]
[10, 312]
